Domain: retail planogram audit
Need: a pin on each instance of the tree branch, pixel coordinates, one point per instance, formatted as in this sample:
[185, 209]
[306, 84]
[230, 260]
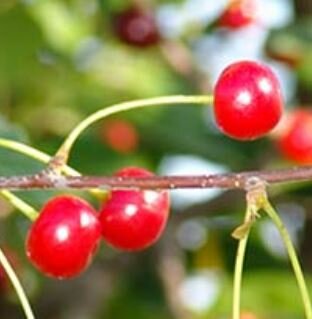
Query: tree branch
[49, 180]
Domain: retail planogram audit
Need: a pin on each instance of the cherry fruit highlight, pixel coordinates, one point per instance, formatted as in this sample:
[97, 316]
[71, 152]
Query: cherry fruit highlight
[247, 100]
[64, 238]
[133, 220]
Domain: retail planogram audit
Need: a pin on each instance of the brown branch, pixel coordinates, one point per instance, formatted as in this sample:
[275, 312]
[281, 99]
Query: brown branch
[46, 179]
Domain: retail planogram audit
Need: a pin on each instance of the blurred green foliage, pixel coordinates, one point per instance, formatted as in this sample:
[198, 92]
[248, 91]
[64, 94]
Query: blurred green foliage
[60, 61]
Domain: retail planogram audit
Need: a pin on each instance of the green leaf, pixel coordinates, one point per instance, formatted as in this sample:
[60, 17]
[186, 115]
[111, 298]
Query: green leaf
[20, 41]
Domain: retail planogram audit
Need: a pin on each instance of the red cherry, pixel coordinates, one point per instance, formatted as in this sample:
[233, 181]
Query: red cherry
[295, 137]
[64, 238]
[133, 220]
[136, 27]
[120, 135]
[238, 14]
[247, 100]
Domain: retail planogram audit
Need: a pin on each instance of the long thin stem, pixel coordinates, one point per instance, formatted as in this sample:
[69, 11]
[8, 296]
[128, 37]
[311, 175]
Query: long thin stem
[41, 157]
[33, 153]
[17, 286]
[293, 258]
[17, 202]
[125, 106]
[21, 205]
[239, 263]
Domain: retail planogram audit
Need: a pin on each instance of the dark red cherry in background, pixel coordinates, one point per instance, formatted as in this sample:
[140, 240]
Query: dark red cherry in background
[238, 14]
[133, 220]
[63, 239]
[295, 137]
[136, 27]
[247, 100]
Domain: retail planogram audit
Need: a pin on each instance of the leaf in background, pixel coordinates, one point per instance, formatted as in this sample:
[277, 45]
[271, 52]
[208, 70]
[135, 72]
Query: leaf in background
[62, 26]
[291, 44]
[273, 294]
[11, 131]
[181, 129]
[20, 40]
[12, 163]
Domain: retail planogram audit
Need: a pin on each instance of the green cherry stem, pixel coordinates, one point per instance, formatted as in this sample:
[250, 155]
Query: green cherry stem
[63, 152]
[21, 205]
[17, 202]
[239, 262]
[24, 149]
[44, 158]
[17, 286]
[33, 153]
[292, 256]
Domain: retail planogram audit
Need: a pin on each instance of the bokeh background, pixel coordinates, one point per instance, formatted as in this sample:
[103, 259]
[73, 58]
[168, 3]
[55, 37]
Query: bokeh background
[61, 60]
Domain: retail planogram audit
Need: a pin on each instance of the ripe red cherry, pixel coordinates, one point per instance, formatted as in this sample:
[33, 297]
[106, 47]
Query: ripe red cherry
[63, 239]
[247, 100]
[238, 14]
[133, 220]
[136, 27]
[295, 139]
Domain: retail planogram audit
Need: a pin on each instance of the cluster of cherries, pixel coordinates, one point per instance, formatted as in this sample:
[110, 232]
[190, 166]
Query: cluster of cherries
[137, 26]
[65, 236]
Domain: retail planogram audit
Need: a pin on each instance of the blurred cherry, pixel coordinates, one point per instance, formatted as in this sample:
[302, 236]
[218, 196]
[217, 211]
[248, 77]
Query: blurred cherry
[120, 135]
[136, 27]
[294, 136]
[248, 315]
[238, 14]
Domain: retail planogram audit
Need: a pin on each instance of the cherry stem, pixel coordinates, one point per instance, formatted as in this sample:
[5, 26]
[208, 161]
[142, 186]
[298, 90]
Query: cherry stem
[17, 286]
[33, 153]
[292, 256]
[16, 201]
[62, 154]
[21, 205]
[29, 151]
[239, 262]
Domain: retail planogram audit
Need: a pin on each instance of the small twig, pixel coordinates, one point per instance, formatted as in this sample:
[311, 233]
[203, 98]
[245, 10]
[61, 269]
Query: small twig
[63, 152]
[227, 181]
[293, 258]
[256, 194]
[238, 272]
[17, 286]
[21, 205]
